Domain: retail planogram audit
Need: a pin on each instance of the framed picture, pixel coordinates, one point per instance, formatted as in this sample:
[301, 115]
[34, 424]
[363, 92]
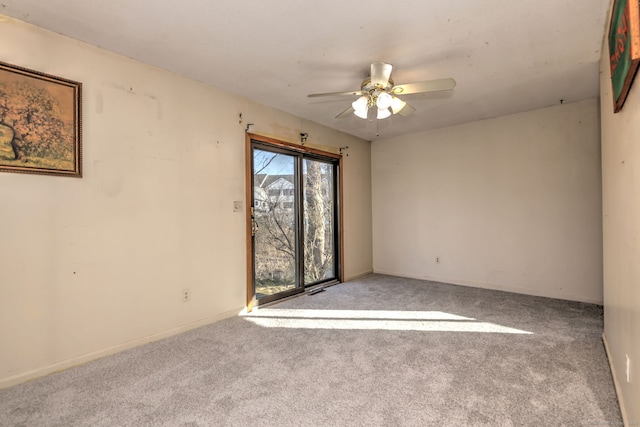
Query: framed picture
[624, 48]
[40, 123]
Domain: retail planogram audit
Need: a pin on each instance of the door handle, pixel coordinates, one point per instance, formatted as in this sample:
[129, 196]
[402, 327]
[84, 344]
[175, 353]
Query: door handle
[254, 223]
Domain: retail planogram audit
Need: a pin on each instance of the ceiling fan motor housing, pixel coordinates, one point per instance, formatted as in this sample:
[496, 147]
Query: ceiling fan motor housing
[374, 91]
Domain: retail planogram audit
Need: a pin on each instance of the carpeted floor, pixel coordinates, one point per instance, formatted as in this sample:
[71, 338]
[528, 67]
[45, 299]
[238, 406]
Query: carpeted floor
[379, 351]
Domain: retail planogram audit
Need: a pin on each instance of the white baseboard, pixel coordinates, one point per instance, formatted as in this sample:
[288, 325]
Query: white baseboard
[358, 275]
[491, 286]
[66, 364]
[623, 411]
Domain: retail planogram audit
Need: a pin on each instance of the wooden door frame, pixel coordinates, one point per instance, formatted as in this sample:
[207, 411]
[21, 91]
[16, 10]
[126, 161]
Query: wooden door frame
[249, 196]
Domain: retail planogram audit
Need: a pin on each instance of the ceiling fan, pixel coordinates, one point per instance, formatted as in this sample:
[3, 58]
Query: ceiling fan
[379, 91]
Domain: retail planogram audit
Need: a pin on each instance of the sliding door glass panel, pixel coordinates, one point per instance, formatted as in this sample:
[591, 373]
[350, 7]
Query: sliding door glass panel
[318, 221]
[274, 204]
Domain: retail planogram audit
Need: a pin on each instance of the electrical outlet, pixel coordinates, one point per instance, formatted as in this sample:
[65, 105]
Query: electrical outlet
[628, 368]
[186, 295]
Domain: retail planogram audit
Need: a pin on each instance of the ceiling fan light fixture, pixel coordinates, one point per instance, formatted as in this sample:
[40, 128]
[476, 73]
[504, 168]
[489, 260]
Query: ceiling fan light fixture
[383, 113]
[397, 104]
[361, 113]
[360, 107]
[384, 100]
[361, 103]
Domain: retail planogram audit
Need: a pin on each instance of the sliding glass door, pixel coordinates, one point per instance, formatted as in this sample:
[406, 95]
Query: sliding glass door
[319, 221]
[294, 220]
[275, 199]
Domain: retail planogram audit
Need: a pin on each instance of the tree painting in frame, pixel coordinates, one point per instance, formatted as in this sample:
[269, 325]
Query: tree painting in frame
[624, 48]
[40, 119]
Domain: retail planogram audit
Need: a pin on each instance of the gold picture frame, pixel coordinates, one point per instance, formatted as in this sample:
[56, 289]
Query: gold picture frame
[40, 123]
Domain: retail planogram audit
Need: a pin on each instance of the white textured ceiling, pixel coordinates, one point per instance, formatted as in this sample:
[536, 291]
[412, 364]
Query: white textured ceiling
[507, 56]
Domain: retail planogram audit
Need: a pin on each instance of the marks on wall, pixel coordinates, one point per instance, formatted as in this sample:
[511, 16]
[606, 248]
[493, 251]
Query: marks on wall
[109, 174]
[134, 125]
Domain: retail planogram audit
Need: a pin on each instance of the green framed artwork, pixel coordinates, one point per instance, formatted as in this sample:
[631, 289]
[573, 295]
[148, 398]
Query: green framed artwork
[40, 123]
[624, 48]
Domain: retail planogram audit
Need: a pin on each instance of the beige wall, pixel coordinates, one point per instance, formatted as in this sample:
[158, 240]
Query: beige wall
[511, 203]
[94, 265]
[621, 227]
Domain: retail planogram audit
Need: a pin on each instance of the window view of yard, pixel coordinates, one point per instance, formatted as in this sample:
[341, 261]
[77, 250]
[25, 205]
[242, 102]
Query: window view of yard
[277, 208]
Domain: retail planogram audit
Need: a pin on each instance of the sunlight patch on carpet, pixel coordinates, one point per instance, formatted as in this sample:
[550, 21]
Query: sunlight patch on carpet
[421, 321]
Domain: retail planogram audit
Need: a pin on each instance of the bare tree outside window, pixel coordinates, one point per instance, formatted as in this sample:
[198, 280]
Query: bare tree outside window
[318, 221]
[275, 213]
[275, 238]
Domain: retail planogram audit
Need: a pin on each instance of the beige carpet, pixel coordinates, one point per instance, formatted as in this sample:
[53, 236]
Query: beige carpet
[379, 351]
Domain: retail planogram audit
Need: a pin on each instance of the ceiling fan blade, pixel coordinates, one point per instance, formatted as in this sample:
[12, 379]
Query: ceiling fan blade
[407, 110]
[345, 113]
[426, 86]
[352, 93]
[380, 74]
